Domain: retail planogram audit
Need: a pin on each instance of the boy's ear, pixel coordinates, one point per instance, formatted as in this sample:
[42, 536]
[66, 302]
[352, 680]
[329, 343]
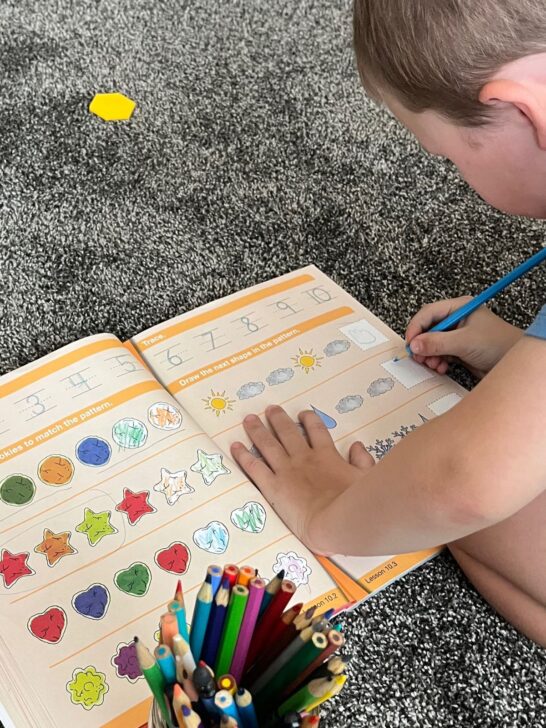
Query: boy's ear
[529, 97]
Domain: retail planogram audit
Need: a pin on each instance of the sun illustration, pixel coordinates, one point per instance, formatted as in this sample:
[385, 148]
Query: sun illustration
[307, 360]
[218, 402]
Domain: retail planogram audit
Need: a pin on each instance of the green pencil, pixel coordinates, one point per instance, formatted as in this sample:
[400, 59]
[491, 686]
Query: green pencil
[234, 617]
[306, 695]
[153, 676]
[269, 694]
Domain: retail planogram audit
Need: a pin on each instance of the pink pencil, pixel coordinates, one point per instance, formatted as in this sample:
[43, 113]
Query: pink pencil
[255, 596]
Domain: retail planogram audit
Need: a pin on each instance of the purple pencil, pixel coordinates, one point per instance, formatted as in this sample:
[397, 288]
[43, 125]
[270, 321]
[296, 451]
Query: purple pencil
[255, 595]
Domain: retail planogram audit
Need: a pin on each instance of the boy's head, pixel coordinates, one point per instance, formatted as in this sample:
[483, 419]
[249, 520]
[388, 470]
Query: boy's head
[468, 78]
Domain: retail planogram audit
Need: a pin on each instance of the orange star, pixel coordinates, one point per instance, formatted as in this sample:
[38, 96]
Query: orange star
[54, 546]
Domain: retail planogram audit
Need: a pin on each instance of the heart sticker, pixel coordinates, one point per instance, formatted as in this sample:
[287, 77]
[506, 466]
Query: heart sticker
[92, 602]
[174, 559]
[135, 580]
[249, 518]
[214, 537]
[48, 626]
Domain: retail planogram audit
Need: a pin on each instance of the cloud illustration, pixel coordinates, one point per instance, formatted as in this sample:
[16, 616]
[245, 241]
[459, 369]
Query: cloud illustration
[251, 389]
[280, 376]
[349, 403]
[380, 386]
[336, 347]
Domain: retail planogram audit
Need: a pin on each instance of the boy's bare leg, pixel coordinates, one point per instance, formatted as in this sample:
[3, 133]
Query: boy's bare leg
[506, 565]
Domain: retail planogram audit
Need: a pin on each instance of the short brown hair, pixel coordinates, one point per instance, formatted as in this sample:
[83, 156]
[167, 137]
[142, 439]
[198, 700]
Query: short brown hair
[438, 54]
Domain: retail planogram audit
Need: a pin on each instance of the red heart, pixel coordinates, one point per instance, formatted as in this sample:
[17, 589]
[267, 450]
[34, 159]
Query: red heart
[175, 558]
[48, 626]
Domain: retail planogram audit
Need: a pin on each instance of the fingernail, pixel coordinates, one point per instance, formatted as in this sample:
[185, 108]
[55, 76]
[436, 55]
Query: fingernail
[249, 419]
[416, 347]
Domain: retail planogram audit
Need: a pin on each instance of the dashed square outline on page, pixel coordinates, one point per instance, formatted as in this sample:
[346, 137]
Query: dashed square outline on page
[363, 334]
[407, 371]
[445, 403]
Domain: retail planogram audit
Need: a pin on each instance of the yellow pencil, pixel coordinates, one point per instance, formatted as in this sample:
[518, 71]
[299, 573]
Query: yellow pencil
[339, 682]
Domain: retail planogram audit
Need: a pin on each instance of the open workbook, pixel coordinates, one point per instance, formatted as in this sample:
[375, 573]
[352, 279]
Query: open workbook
[116, 479]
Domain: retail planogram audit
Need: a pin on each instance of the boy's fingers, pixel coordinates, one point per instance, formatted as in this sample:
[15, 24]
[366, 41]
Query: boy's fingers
[432, 313]
[440, 344]
[286, 430]
[268, 445]
[317, 432]
[360, 457]
[255, 468]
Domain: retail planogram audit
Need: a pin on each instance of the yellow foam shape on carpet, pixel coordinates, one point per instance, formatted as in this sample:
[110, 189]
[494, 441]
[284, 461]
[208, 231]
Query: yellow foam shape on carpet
[112, 107]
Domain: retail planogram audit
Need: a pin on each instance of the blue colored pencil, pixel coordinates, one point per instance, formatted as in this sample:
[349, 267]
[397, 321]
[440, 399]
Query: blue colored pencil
[456, 316]
[243, 700]
[166, 663]
[200, 620]
[226, 705]
[216, 624]
[215, 572]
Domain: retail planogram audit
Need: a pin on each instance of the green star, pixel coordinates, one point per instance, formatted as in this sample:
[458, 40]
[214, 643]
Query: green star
[210, 466]
[96, 526]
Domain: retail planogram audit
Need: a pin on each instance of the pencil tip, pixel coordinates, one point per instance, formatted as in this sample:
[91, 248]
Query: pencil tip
[280, 575]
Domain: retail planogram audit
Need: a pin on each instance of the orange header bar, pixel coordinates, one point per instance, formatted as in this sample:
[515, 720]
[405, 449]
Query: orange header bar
[76, 418]
[204, 318]
[256, 349]
[394, 567]
[132, 718]
[55, 365]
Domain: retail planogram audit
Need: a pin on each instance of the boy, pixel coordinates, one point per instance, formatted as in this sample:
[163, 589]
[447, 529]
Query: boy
[469, 80]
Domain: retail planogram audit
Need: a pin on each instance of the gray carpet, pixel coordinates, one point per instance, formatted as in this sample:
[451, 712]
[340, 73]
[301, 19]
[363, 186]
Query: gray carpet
[253, 151]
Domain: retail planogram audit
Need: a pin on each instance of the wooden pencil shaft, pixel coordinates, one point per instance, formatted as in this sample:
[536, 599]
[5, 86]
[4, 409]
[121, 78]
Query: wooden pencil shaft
[232, 626]
[305, 696]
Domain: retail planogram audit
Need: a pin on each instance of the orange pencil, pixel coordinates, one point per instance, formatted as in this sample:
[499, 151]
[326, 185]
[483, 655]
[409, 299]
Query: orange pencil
[169, 627]
[246, 573]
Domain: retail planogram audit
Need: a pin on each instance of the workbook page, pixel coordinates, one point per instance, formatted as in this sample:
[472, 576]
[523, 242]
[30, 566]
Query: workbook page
[302, 342]
[110, 492]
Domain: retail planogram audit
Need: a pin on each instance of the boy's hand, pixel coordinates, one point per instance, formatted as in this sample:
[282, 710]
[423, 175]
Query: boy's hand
[479, 341]
[299, 476]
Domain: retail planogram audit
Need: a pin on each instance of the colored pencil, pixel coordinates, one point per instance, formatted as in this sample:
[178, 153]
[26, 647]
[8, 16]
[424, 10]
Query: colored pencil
[182, 649]
[232, 626]
[256, 590]
[191, 719]
[189, 687]
[153, 676]
[179, 593]
[243, 700]
[227, 682]
[306, 695]
[339, 681]
[228, 722]
[178, 609]
[297, 664]
[225, 704]
[166, 663]
[334, 666]
[282, 625]
[269, 619]
[215, 572]
[335, 642]
[281, 635]
[310, 721]
[271, 589]
[464, 311]
[216, 624]
[168, 628]
[200, 619]
[304, 620]
[206, 689]
[246, 573]
[231, 572]
[280, 661]
[179, 699]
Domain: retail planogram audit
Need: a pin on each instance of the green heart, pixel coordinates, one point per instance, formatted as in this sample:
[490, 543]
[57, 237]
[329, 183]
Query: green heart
[134, 580]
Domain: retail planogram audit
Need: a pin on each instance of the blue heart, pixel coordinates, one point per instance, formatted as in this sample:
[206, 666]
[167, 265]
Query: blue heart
[92, 602]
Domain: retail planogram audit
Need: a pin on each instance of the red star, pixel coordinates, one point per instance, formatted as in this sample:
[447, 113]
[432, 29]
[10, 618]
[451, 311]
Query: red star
[135, 505]
[14, 566]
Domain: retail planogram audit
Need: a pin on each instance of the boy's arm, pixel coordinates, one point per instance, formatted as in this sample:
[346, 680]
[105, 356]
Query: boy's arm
[468, 469]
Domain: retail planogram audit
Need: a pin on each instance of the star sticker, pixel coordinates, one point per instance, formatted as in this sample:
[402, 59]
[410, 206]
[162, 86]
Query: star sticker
[14, 566]
[173, 485]
[210, 466]
[54, 546]
[135, 505]
[96, 526]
